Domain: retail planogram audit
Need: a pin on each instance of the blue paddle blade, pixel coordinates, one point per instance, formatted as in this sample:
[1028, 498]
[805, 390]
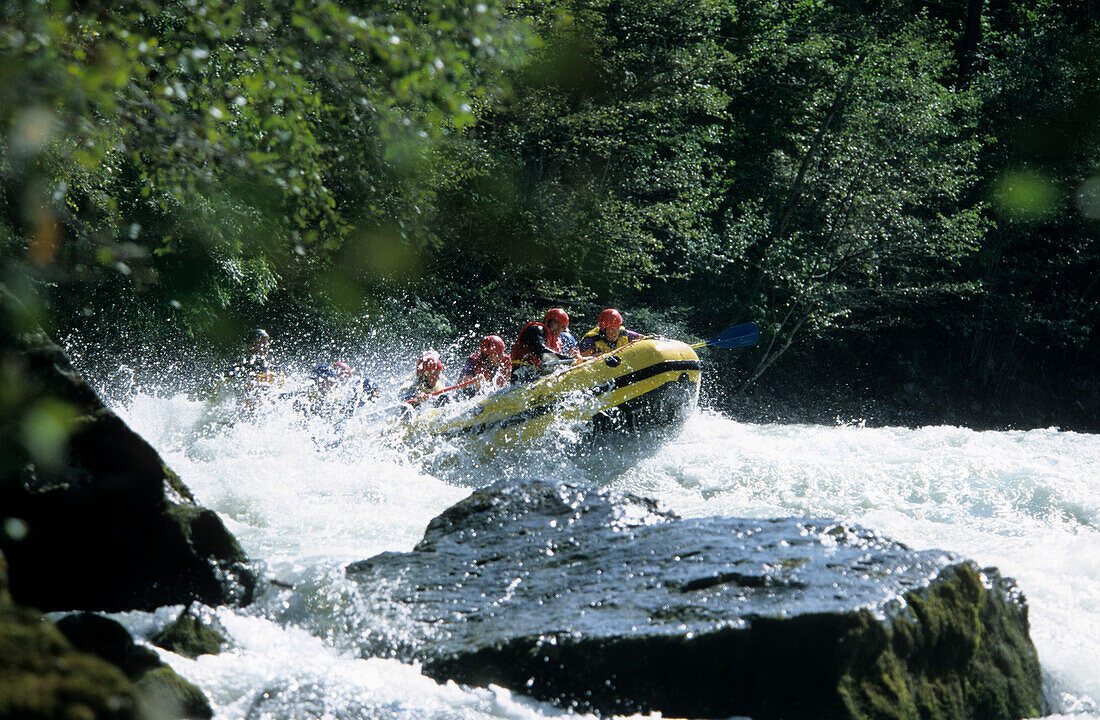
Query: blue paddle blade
[736, 337]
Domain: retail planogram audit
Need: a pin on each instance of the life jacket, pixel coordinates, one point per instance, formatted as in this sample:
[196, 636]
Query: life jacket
[598, 341]
[524, 354]
[478, 365]
[255, 372]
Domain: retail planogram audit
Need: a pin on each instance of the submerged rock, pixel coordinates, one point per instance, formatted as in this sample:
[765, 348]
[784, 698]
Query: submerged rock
[605, 603]
[90, 516]
[332, 700]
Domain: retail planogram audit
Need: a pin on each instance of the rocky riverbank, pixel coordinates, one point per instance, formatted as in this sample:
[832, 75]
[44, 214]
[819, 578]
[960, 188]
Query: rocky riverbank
[92, 519]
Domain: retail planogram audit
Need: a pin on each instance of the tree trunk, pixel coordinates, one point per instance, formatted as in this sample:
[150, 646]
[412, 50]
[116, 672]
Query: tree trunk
[795, 193]
[968, 47]
[771, 354]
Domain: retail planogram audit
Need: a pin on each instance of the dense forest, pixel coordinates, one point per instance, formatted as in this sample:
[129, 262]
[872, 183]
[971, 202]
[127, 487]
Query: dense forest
[904, 194]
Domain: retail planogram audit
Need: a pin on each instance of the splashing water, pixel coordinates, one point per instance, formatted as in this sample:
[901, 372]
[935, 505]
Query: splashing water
[1026, 502]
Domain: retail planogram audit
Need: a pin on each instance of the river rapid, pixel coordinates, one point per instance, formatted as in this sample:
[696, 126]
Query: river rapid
[304, 506]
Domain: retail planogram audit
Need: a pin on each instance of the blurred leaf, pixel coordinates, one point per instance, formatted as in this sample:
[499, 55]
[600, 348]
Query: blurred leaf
[45, 431]
[1026, 195]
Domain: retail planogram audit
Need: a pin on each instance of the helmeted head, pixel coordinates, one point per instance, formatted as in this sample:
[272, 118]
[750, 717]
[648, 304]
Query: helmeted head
[343, 370]
[370, 389]
[558, 316]
[324, 376]
[611, 322]
[610, 318]
[429, 366]
[492, 346]
[258, 341]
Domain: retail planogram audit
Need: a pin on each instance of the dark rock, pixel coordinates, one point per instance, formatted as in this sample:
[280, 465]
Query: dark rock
[162, 692]
[604, 603]
[108, 639]
[102, 523]
[43, 677]
[190, 635]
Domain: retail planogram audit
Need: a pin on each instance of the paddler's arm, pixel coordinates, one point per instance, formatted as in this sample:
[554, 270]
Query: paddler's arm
[587, 346]
[469, 370]
[535, 338]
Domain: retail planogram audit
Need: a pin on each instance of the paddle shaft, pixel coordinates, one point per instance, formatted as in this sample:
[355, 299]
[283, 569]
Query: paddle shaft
[422, 398]
[583, 359]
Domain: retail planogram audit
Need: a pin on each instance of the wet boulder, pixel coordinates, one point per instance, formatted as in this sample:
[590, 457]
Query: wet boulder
[90, 516]
[605, 603]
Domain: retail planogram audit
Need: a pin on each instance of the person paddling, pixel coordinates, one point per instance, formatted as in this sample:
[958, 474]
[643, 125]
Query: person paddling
[609, 334]
[537, 343]
[490, 364]
[370, 392]
[429, 377]
[254, 375]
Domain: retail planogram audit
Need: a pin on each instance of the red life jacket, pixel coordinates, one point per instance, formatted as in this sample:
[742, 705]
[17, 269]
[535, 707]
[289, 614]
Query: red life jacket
[524, 354]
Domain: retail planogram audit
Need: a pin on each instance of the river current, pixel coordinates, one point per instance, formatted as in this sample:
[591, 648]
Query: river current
[1027, 502]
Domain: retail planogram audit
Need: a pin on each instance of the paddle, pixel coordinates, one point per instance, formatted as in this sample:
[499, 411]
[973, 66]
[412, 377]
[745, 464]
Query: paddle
[735, 337]
[422, 398]
[401, 408]
[563, 361]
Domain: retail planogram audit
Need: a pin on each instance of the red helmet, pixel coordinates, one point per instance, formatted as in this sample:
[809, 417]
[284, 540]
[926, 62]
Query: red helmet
[342, 369]
[610, 318]
[492, 344]
[558, 315]
[429, 362]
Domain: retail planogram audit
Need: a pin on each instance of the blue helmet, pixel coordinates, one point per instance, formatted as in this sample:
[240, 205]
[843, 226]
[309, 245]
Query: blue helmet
[324, 372]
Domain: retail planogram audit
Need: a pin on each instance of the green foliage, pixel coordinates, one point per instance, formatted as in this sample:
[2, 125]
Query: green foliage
[840, 172]
[218, 151]
[601, 158]
[1040, 259]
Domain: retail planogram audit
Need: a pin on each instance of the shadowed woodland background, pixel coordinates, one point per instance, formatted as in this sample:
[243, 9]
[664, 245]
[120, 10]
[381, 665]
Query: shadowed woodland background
[904, 195]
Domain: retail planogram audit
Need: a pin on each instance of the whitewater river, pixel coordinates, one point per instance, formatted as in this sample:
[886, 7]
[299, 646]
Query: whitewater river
[1026, 502]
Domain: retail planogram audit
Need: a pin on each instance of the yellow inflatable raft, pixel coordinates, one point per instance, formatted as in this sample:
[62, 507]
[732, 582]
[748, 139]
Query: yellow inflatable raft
[650, 383]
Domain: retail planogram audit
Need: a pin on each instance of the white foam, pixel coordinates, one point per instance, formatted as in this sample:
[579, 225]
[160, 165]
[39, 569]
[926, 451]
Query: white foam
[1026, 502]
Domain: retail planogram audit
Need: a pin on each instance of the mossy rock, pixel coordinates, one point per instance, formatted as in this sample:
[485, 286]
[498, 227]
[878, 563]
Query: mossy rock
[109, 640]
[774, 619]
[163, 693]
[956, 651]
[190, 636]
[104, 523]
[42, 677]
